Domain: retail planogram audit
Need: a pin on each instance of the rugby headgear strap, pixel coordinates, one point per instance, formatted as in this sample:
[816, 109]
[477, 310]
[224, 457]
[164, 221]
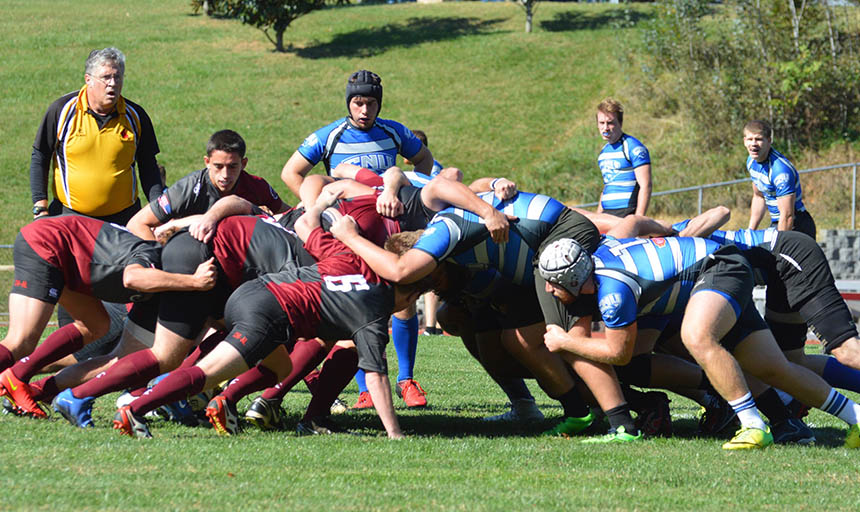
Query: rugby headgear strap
[565, 263]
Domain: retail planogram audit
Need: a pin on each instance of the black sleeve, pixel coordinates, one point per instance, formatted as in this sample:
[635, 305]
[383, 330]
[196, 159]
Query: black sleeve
[39, 165]
[147, 148]
[185, 197]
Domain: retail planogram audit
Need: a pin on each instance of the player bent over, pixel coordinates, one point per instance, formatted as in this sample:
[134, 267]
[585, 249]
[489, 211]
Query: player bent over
[78, 262]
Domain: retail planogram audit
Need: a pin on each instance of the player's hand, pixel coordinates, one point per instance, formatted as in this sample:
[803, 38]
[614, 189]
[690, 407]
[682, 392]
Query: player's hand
[497, 224]
[204, 229]
[388, 205]
[344, 227]
[164, 232]
[505, 189]
[206, 275]
[327, 197]
[554, 338]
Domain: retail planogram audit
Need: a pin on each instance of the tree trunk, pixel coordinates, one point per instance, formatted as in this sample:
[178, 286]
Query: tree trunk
[279, 40]
[529, 14]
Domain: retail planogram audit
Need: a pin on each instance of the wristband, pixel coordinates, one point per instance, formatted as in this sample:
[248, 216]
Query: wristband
[493, 183]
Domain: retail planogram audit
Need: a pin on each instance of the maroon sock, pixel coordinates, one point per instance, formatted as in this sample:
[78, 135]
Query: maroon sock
[204, 348]
[62, 342]
[255, 379]
[6, 358]
[337, 371]
[306, 355]
[178, 385]
[139, 391]
[45, 390]
[133, 370]
[311, 380]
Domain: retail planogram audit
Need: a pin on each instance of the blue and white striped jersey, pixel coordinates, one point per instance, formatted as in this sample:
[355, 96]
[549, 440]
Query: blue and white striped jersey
[639, 276]
[460, 236]
[776, 178]
[617, 162]
[375, 149]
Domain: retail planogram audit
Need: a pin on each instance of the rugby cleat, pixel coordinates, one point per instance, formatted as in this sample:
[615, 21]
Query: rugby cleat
[364, 401]
[130, 425]
[412, 393]
[653, 418]
[522, 411]
[617, 435]
[223, 416]
[716, 417]
[852, 439]
[18, 392]
[570, 426]
[792, 431]
[748, 438]
[319, 426]
[265, 414]
[77, 411]
[338, 407]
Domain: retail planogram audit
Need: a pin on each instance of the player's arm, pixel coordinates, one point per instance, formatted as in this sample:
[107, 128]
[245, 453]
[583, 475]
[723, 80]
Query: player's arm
[310, 220]
[615, 349]
[786, 212]
[203, 229]
[640, 226]
[441, 193]
[503, 188]
[705, 224]
[758, 208]
[413, 265]
[153, 280]
[294, 172]
[144, 223]
[380, 392]
[388, 203]
[423, 160]
[603, 221]
[346, 170]
[643, 178]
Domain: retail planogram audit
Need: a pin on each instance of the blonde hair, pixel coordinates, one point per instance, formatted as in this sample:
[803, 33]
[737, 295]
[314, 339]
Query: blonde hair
[760, 127]
[611, 106]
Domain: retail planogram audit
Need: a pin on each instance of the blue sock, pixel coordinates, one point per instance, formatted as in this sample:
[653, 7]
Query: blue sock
[404, 334]
[840, 376]
[359, 379]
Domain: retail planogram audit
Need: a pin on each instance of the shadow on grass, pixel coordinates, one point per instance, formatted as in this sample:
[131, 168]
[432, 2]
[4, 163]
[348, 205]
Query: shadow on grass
[571, 20]
[377, 40]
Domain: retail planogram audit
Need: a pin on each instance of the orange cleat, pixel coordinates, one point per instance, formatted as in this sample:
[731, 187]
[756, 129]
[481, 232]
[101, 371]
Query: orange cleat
[18, 392]
[412, 393]
[364, 401]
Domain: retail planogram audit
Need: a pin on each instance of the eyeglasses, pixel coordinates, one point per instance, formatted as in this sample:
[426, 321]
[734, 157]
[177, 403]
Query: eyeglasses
[108, 79]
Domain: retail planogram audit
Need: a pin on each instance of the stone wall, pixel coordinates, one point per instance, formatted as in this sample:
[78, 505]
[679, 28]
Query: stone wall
[842, 248]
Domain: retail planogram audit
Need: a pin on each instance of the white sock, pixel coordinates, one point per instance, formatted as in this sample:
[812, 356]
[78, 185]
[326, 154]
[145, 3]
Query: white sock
[747, 412]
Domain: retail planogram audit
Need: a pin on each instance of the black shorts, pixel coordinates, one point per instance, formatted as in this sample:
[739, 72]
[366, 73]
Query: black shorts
[571, 224]
[830, 319]
[35, 277]
[802, 268]
[803, 223]
[510, 307]
[256, 321]
[789, 329]
[728, 273]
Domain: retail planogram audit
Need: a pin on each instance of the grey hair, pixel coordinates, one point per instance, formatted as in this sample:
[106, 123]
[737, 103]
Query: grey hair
[109, 55]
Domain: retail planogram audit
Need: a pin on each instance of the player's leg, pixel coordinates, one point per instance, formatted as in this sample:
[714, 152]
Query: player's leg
[404, 336]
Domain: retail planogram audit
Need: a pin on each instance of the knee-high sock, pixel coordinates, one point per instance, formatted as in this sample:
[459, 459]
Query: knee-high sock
[840, 376]
[255, 379]
[336, 372]
[306, 355]
[360, 380]
[178, 385]
[404, 335]
[203, 348]
[131, 371]
[44, 390]
[6, 358]
[62, 342]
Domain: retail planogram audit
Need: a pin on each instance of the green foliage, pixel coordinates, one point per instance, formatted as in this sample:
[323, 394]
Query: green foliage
[796, 66]
[274, 15]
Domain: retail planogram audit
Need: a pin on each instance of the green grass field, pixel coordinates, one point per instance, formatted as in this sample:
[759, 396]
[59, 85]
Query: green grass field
[450, 461]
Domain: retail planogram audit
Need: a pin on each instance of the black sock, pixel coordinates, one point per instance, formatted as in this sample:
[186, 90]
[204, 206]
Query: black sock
[620, 417]
[573, 404]
[771, 405]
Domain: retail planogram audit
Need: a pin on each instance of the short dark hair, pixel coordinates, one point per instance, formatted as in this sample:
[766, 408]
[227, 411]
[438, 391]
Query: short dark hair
[759, 126]
[227, 141]
[421, 136]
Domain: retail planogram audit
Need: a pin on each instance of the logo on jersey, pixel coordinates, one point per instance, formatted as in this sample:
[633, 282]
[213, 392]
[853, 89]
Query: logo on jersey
[311, 140]
[21, 283]
[609, 305]
[196, 190]
[639, 151]
[54, 293]
[659, 242]
[780, 180]
[241, 337]
[272, 191]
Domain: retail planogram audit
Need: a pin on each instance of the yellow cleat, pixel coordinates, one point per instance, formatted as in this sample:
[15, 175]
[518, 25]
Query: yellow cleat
[852, 440]
[750, 438]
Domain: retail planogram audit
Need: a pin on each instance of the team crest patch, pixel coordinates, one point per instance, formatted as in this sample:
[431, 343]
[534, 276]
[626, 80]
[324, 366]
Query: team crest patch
[272, 191]
[164, 203]
[311, 140]
[639, 151]
[780, 180]
[659, 241]
[609, 305]
[429, 231]
[54, 293]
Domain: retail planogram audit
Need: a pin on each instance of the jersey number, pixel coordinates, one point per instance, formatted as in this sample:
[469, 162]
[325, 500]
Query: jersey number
[346, 283]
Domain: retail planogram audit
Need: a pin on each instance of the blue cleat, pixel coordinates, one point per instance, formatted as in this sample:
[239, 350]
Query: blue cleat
[78, 411]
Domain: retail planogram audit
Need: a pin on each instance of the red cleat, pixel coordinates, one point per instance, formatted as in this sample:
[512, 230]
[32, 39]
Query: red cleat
[18, 392]
[364, 401]
[412, 393]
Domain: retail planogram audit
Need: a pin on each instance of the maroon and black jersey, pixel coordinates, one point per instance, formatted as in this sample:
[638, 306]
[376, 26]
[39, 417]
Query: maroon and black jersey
[415, 214]
[91, 254]
[247, 247]
[195, 194]
[338, 298]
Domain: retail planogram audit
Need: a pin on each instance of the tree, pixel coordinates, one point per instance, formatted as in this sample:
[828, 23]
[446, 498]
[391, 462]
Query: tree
[271, 15]
[529, 6]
